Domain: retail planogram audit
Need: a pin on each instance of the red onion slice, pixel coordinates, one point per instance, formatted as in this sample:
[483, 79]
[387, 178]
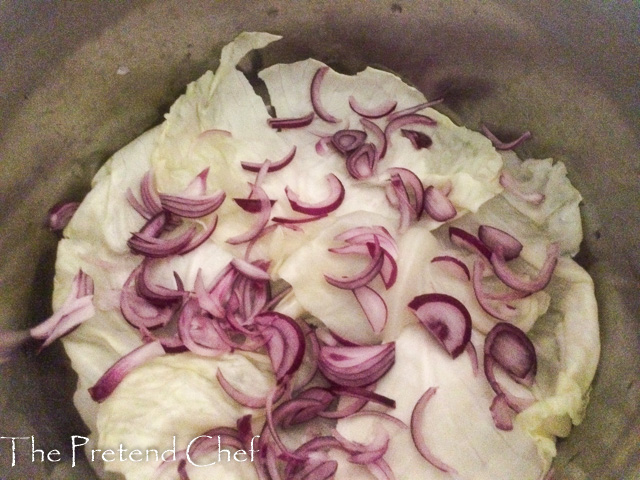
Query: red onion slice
[500, 145]
[348, 140]
[199, 239]
[240, 397]
[364, 276]
[415, 108]
[455, 266]
[511, 185]
[500, 311]
[446, 318]
[364, 394]
[149, 246]
[199, 333]
[294, 221]
[114, 375]
[361, 163]
[192, 207]
[60, 215]
[250, 205]
[291, 122]
[468, 241]
[437, 205]
[373, 306]
[250, 270]
[473, 357]
[155, 293]
[510, 348]
[501, 413]
[149, 195]
[328, 205]
[137, 310]
[417, 422]
[273, 166]
[379, 137]
[356, 366]
[369, 235]
[316, 85]
[413, 187]
[379, 111]
[494, 237]
[286, 342]
[404, 120]
[419, 140]
[261, 221]
[520, 282]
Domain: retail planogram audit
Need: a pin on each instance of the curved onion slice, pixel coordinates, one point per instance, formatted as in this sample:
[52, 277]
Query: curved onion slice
[499, 144]
[348, 140]
[364, 276]
[199, 239]
[378, 111]
[494, 237]
[407, 119]
[413, 187]
[316, 84]
[331, 203]
[457, 267]
[151, 246]
[373, 306]
[364, 394]
[138, 311]
[261, 221]
[292, 122]
[446, 318]
[199, 333]
[518, 281]
[415, 108]
[114, 375]
[417, 423]
[155, 293]
[240, 397]
[285, 344]
[512, 186]
[250, 270]
[510, 348]
[195, 207]
[149, 195]
[501, 413]
[251, 205]
[60, 214]
[361, 163]
[437, 205]
[500, 311]
[379, 136]
[273, 166]
[468, 241]
[356, 366]
[418, 139]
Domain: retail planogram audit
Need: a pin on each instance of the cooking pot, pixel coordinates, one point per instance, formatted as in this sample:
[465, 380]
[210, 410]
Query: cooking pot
[78, 80]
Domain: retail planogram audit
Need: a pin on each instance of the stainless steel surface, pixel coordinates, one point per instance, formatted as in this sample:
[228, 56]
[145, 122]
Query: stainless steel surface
[568, 71]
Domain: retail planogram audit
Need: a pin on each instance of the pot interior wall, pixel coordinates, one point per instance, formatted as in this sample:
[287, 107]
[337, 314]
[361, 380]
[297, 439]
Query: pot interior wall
[565, 70]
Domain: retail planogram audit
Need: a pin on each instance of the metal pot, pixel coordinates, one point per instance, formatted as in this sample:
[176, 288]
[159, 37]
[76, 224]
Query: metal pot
[78, 80]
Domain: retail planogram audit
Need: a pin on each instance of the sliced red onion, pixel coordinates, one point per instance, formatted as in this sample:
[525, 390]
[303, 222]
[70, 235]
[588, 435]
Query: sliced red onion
[415, 108]
[473, 357]
[137, 206]
[60, 214]
[199, 239]
[437, 205]
[510, 348]
[170, 343]
[373, 306]
[446, 318]
[286, 342]
[497, 310]
[468, 241]
[250, 270]
[149, 195]
[379, 136]
[273, 166]
[364, 276]
[323, 146]
[291, 122]
[77, 308]
[213, 300]
[261, 221]
[329, 204]
[379, 111]
[381, 470]
[361, 163]
[348, 140]
[511, 185]
[404, 120]
[294, 221]
[357, 366]
[199, 333]
[251, 205]
[457, 267]
[419, 140]
[413, 187]
[154, 247]
[364, 394]
[306, 406]
[494, 237]
[369, 235]
[192, 207]
[501, 413]
[316, 85]
[500, 145]
[114, 375]
[137, 310]
[155, 293]
[417, 424]
[401, 200]
[520, 282]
